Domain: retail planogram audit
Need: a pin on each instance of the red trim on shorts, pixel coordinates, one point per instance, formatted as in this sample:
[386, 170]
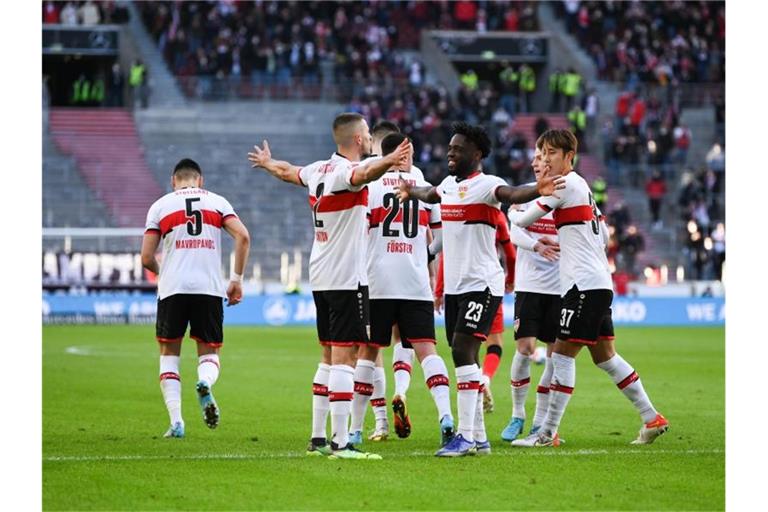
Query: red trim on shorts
[572, 215]
[379, 402]
[340, 397]
[560, 388]
[606, 338]
[480, 336]
[209, 361]
[169, 375]
[468, 386]
[632, 377]
[437, 380]
[363, 388]
[583, 342]
[169, 340]
[319, 389]
[400, 365]
[422, 340]
[341, 343]
[519, 383]
[543, 390]
[213, 344]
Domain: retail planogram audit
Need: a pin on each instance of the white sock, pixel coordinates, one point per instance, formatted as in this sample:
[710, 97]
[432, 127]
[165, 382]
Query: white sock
[479, 426]
[520, 373]
[320, 404]
[467, 384]
[402, 363]
[208, 368]
[170, 386]
[364, 370]
[436, 377]
[560, 391]
[627, 380]
[378, 398]
[542, 393]
[341, 384]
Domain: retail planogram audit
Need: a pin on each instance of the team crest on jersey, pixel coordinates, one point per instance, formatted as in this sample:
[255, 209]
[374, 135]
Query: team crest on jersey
[463, 189]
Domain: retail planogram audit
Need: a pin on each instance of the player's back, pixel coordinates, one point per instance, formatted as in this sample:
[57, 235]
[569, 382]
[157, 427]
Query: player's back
[189, 221]
[397, 240]
[582, 252]
[337, 260]
[533, 272]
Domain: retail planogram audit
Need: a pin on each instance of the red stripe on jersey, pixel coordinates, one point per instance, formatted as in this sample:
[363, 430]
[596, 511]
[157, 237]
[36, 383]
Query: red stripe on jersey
[632, 377]
[340, 397]
[470, 213]
[468, 386]
[341, 201]
[562, 389]
[572, 215]
[543, 226]
[377, 216]
[178, 218]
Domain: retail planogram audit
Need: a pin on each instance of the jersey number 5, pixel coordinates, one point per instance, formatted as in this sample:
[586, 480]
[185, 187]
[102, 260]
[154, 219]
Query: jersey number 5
[194, 225]
[410, 216]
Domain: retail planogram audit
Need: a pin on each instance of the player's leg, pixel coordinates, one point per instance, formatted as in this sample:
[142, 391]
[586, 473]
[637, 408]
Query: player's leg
[379, 401]
[365, 368]
[493, 350]
[417, 322]
[206, 328]
[520, 379]
[627, 380]
[170, 327]
[546, 332]
[402, 363]
[318, 443]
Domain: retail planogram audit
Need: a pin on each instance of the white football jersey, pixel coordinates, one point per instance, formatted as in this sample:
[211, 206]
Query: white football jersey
[533, 272]
[470, 213]
[577, 219]
[189, 221]
[397, 240]
[338, 257]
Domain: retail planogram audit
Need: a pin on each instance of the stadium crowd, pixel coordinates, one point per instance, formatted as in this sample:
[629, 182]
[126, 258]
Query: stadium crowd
[85, 13]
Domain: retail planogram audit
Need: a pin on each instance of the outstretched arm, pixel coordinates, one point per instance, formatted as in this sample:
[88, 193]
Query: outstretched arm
[262, 157]
[375, 169]
[426, 194]
[546, 185]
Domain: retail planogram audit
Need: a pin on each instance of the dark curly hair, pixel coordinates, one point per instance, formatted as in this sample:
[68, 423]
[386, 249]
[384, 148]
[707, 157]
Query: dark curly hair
[476, 134]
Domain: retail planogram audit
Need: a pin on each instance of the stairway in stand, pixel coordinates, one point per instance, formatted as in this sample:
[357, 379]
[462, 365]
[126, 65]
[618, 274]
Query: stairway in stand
[108, 152]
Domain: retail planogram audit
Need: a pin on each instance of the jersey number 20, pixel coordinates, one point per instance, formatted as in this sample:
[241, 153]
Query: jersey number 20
[410, 216]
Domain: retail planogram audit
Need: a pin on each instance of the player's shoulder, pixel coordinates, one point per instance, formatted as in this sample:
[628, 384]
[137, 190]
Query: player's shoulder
[368, 160]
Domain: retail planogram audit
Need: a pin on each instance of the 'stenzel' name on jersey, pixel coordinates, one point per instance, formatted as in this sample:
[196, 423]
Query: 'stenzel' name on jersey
[194, 243]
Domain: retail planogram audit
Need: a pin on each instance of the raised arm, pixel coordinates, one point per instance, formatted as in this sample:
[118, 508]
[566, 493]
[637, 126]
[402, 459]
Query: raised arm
[426, 194]
[280, 169]
[239, 232]
[546, 185]
[375, 169]
[527, 217]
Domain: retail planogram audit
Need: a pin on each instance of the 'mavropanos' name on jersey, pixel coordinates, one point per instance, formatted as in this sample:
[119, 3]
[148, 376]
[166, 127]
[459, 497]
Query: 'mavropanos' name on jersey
[193, 243]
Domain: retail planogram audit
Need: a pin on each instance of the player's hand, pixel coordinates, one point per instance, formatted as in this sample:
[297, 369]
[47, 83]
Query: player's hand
[260, 156]
[549, 251]
[404, 192]
[234, 293]
[399, 157]
[547, 184]
[439, 303]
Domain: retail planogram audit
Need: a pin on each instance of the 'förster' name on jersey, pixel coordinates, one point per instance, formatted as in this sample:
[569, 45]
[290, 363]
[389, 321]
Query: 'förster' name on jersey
[190, 220]
[397, 240]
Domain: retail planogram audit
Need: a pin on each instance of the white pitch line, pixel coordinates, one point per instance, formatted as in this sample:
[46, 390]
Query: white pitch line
[298, 455]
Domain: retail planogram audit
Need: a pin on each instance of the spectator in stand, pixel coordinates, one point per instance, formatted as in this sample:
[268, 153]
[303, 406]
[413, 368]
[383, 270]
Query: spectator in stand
[656, 188]
[631, 245]
[469, 79]
[89, 14]
[510, 87]
[718, 240]
[527, 87]
[619, 218]
[50, 13]
[571, 88]
[68, 15]
[116, 85]
[465, 14]
[637, 115]
[138, 82]
[716, 163]
[682, 135]
[578, 124]
[599, 192]
[591, 109]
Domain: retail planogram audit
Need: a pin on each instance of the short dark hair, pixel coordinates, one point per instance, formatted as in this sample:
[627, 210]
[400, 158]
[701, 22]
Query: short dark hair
[345, 119]
[476, 134]
[187, 164]
[385, 126]
[558, 139]
[390, 142]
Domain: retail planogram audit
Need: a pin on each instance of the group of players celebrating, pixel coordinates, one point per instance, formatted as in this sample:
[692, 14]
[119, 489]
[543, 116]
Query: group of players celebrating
[378, 225]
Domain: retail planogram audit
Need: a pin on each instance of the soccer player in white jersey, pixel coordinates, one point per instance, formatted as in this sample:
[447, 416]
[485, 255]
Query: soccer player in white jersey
[400, 292]
[537, 308]
[474, 279]
[586, 294]
[337, 268]
[190, 288]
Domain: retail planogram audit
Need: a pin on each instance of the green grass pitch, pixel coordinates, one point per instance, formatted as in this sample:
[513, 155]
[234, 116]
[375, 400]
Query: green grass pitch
[103, 420]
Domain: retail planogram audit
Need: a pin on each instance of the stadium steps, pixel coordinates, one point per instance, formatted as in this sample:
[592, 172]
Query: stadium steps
[107, 150]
